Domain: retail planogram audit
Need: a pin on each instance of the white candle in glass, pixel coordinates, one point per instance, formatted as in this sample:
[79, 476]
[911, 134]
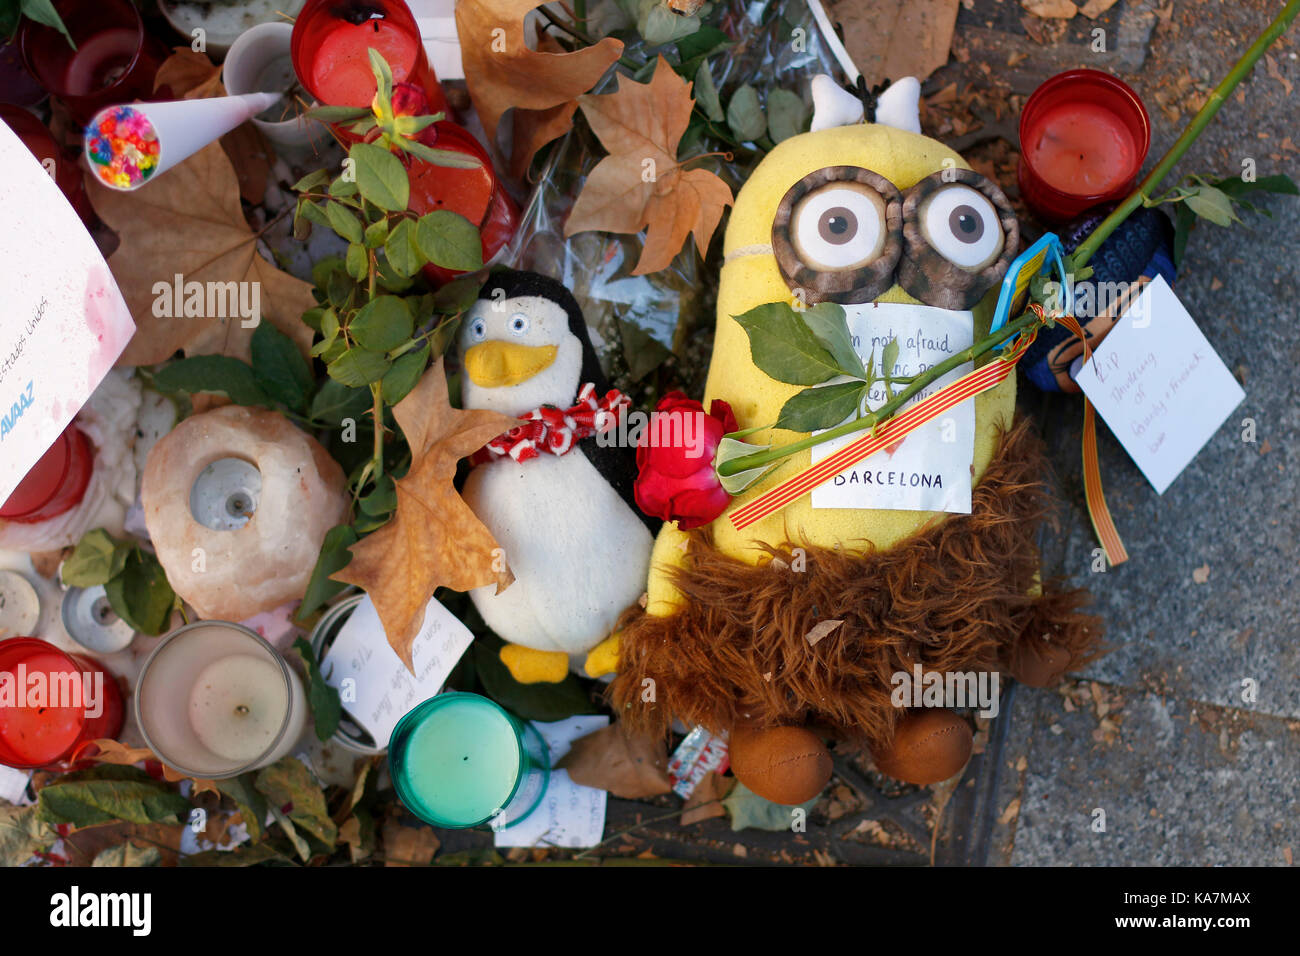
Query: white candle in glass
[215, 699]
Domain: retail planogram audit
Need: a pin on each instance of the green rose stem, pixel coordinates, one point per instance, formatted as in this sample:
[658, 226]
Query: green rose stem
[887, 410]
[1218, 96]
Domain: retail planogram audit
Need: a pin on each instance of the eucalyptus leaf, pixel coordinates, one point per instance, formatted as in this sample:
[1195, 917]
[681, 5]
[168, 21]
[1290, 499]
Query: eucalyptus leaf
[782, 345]
[383, 323]
[745, 115]
[381, 178]
[821, 407]
[334, 556]
[450, 241]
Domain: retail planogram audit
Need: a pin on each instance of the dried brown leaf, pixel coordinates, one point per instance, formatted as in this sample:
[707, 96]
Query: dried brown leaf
[820, 630]
[640, 185]
[705, 802]
[1050, 9]
[627, 766]
[434, 540]
[533, 129]
[872, 32]
[407, 845]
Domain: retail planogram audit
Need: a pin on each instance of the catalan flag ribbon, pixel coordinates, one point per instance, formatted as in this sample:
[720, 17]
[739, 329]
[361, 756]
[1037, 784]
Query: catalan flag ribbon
[907, 421]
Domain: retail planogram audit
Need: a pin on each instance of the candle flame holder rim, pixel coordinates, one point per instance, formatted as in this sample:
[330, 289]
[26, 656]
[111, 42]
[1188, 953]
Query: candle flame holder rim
[169, 638]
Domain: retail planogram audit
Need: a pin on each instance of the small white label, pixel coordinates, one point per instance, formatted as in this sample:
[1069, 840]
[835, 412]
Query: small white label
[930, 470]
[380, 690]
[1159, 385]
[570, 814]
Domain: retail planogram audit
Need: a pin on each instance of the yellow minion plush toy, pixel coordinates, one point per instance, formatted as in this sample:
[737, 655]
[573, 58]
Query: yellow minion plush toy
[898, 230]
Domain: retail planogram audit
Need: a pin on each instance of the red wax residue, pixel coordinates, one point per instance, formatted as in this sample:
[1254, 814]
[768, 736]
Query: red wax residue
[41, 734]
[341, 74]
[1082, 149]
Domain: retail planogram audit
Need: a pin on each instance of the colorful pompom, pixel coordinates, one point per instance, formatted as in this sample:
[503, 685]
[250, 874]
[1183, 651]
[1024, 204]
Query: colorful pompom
[122, 147]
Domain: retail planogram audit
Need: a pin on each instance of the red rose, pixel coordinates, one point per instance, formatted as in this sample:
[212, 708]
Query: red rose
[674, 458]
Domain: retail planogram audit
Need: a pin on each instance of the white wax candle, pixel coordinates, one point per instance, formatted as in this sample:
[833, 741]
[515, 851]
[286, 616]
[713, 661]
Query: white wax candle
[237, 706]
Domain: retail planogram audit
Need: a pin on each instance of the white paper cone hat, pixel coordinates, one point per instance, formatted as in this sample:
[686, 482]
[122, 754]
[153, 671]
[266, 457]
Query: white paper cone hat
[130, 145]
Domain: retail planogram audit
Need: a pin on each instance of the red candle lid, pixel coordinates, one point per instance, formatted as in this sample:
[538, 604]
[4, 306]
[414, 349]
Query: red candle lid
[42, 482]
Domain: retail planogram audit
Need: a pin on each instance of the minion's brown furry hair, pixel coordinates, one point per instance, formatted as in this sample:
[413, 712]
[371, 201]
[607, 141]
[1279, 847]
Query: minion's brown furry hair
[961, 595]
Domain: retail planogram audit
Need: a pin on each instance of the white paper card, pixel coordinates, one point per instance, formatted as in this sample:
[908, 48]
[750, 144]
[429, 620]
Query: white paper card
[64, 322]
[381, 689]
[13, 785]
[930, 470]
[569, 815]
[1159, 384]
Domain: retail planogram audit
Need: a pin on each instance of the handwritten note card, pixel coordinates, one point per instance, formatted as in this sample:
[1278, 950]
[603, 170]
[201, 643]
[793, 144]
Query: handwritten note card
[64, 322]
[930, 469]
[1159, 385]
[570, 814]
[379, 688]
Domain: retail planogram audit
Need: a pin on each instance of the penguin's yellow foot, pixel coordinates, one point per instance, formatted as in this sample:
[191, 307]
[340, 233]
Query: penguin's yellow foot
[603, 658]
[529, 666]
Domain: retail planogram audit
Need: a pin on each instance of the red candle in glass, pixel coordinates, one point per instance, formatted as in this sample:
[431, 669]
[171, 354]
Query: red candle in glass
[56, 483]
[57, 725]
[67, 176]
[1083, 138]
[109, 65]
[330, 43]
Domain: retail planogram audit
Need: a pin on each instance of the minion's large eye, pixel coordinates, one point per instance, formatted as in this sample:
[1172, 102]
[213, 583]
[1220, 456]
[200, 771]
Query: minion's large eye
[837, 235]
[962, 225]
[959, 237]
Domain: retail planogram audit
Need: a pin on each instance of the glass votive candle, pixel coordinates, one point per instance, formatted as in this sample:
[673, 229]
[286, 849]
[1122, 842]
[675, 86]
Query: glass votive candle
[52, 703]
[460, 760]
[64, 170]
[56, 483]
[109, 64]
[214, 700]
[1083, 138]
[331, 40]
[17, 86]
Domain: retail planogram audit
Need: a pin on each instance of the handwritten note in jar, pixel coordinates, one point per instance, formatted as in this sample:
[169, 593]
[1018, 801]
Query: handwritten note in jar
[1159, 385]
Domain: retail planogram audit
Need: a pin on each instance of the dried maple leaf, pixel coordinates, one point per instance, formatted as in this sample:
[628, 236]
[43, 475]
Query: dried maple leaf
[114, 752]
[641, 124]
[502, 72]
[533, 129]
[627, 766]
[190, 75]
[190, 223]
[434, 539]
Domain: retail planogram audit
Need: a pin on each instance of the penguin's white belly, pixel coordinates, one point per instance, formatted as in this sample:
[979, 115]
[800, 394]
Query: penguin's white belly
[579, 554]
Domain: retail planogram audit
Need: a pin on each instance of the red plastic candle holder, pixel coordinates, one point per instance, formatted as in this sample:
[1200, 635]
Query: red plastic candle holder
[46, 719]
[112, 62]
[56, 483]
[67, 175]
[1083, 138]
[330, 43]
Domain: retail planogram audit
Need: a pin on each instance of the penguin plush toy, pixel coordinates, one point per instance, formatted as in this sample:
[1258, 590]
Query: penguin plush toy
[556, 491]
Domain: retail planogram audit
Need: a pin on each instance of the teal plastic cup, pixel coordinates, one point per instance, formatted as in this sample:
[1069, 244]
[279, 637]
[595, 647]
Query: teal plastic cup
[460, 760]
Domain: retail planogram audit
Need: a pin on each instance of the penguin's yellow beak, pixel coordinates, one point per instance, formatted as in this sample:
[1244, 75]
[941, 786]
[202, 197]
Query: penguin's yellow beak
[498, 364]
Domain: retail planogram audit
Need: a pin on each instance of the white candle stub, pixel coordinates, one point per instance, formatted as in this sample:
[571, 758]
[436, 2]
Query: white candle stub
[238, 705]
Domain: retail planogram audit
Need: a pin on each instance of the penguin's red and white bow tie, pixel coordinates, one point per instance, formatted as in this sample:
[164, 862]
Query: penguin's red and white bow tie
[555, 431]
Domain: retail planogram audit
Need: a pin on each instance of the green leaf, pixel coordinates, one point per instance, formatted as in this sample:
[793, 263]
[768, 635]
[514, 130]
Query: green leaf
[288, 783]
[383, 323]
[783, 346]
[335, 402]
[706, 93]
[702, 42]
[280, 369]
[1212, 204]
[821, 407]
[660, 25]
[96, 558]
[377, 233]
[745, 116]
[786, 115]
[326, 707]
[343, 188]
[381, 178]
[109, 793]
[441, 157]
[382, 500]
[312, 180]
[405, 373]
[826, 320]
[344, 222]
[141, 594]
[359, 366]
[889, 358]
[334, 556]
[748, 809]
[1184, 219]
[213, 373]
[1280, 183]
[245, 855]
[358, 261]
[251, 804]
[401, 249]
[450, 240]
[22, 833]
[337, 114]
[545, 702]
[42, 11]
